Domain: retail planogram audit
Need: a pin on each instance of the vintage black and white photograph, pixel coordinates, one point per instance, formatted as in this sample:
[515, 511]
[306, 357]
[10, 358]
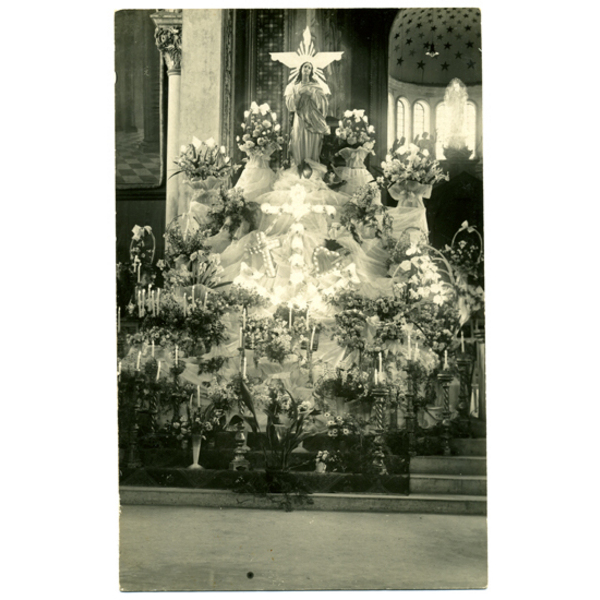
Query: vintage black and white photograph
[300, 304]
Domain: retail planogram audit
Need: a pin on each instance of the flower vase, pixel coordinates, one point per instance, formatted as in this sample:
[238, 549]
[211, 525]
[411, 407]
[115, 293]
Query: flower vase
[410, 193]
[320, 467]
[196, 444]
[355, 174]
[257, 177]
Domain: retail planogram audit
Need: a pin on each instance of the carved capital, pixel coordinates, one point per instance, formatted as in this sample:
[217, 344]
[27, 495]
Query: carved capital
[168, 38]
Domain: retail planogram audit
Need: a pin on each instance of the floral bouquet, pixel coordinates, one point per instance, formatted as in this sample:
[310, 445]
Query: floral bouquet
[325, 458]
[262, 133]
[203, 421]
[202, 161]
[342, 426]
[360, 214]
[408, 167]
[354, 130]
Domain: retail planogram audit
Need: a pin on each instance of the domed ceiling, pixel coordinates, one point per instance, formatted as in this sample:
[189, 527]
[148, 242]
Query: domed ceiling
[456, 36]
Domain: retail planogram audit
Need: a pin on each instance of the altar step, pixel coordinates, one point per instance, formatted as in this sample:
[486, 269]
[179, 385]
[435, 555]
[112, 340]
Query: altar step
[384, 503]
[462, 476]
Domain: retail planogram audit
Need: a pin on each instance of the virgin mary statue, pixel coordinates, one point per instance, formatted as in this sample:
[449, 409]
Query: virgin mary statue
[306, 96]
[308, 100]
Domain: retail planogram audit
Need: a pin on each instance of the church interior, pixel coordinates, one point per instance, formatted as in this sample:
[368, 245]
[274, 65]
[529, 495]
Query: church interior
[300, 270]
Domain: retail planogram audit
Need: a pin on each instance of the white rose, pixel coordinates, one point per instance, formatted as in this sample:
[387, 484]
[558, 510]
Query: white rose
[274, 116]
[264, 109]
[246, 114]
[371, 129]
[365, 119]
[277, 127]
[348, 114]
[254, 107]
[223, 150]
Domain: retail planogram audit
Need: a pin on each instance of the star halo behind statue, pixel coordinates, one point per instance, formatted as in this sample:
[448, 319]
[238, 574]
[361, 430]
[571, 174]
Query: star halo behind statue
[306, 53]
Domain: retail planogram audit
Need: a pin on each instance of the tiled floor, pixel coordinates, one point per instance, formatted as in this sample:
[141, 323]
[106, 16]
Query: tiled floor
[173, 548]
[135, 167]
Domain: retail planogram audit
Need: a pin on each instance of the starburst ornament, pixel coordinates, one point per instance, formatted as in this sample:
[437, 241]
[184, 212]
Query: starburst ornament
[306, 53]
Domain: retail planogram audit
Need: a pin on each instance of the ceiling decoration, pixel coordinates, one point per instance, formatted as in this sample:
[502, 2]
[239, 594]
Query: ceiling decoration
[454, 33]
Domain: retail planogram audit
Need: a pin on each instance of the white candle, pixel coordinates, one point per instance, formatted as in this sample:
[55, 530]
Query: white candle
[462, 341]
[380, 363]
[205, 297]
[244, 368]
[158, 302]
[158, 371]
[198, 395]
[375, 376]
[312, 338]
[176, 355]
[241, 337]
[119, 371]
[139, 271]
[244, 319]
[119, 320]
[152, 348]
[139, 303]
[143, 302]
[445, 359]
[138, 361]
[191, 398]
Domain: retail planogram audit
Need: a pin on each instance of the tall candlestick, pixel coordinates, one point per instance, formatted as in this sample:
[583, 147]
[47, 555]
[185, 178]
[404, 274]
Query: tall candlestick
[158, 371]
[462, 341]
[445, 359]
[137, 368]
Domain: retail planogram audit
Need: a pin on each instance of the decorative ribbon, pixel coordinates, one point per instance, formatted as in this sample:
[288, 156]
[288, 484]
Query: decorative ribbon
[260, 245]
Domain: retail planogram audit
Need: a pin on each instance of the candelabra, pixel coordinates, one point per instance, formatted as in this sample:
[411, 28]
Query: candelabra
[240, 462]
[445, 377]
[411, 415]
[464, 362]
[380, 393]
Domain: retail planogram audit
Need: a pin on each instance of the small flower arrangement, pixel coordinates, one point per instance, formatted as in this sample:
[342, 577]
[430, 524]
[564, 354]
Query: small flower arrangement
[229, 211]
[361, 213]
[342, 426]
[354, 130]
[262, 133]
[201, 160]
[203, 420]
[410, 163]
[329, 459]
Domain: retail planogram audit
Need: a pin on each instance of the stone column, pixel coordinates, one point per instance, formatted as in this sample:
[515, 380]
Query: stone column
[168, 41]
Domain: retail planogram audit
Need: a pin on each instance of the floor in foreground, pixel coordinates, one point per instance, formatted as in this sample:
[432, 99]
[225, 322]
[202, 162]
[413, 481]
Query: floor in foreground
[178, 548]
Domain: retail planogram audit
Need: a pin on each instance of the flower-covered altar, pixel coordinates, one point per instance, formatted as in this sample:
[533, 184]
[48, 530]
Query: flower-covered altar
[297, 323]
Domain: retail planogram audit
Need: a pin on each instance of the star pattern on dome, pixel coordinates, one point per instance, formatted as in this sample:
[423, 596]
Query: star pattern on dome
[456, 35]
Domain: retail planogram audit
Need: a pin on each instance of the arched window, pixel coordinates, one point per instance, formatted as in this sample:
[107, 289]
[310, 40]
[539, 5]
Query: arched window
[441, 128]
[400, 119]
[418, 119]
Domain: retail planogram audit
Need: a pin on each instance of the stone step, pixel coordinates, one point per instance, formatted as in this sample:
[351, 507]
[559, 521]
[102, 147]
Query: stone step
[448, 465]
[387, 503]
[466, 485]
[468, 446]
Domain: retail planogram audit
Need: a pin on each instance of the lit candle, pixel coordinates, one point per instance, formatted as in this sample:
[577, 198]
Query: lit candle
[312, 338]
[119, 320]
[176, 355]
[380, 363]
[445, 359]
[462, 341]
[138, 361]
[290, 317]
[158, 371]
[152, 348]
